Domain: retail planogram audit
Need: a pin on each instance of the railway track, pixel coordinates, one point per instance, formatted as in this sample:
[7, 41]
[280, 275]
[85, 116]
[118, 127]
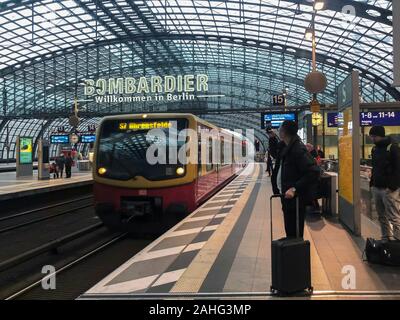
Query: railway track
[76, 275]
[65, 235]
[18, 220]
[29, 286]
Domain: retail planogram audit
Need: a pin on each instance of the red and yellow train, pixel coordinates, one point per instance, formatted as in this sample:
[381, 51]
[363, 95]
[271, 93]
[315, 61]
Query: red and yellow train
[132, 193]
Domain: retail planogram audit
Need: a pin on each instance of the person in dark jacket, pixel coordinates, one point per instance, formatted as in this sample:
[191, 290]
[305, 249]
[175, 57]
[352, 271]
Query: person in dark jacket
[281, 145]
[273, 142]
[297, 176]
[268, 161]
[68, 165]
[385, 182]
[60, 162]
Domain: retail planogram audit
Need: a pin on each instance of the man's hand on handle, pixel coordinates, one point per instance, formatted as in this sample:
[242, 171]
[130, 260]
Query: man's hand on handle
[290, 193]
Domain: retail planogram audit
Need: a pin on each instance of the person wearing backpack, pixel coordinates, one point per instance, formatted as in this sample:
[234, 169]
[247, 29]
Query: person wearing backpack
[385, 182]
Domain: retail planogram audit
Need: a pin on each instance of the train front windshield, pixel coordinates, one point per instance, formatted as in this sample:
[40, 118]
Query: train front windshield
[123, 145]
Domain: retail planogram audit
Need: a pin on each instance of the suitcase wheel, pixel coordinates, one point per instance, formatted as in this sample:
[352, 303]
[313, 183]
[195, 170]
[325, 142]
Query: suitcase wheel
[308, 291]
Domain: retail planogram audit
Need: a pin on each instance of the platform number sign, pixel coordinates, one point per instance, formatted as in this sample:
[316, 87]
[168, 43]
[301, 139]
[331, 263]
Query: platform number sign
[91, 127]
[279, 100]
[61, 129]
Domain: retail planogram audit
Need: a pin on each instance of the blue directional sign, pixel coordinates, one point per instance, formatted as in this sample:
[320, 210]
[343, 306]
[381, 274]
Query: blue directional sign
[59, 139]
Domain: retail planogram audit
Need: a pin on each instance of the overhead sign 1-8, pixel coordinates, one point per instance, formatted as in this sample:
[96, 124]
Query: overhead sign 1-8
[278, 100]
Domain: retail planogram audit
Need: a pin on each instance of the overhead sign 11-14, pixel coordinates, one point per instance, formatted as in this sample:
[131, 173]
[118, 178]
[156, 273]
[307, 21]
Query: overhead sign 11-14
[278, 100]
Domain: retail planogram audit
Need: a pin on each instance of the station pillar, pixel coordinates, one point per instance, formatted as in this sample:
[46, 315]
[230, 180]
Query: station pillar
[43, 160]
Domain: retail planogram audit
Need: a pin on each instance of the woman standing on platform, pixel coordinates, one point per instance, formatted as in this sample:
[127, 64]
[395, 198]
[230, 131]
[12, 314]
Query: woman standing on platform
[60, 162]
[68, 165]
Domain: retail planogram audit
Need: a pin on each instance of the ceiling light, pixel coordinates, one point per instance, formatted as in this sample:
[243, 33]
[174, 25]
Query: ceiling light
[319, 5]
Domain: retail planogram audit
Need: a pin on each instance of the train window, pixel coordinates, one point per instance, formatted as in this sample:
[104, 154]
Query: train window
[210, 165]
[233, 151]
[199, 160]
[222, 151]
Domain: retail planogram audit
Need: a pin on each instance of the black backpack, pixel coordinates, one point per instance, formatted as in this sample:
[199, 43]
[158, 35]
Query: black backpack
[383, 252]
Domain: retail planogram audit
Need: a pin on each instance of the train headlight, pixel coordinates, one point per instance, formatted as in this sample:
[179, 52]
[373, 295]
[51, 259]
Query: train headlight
[102, 171]
[180, 171]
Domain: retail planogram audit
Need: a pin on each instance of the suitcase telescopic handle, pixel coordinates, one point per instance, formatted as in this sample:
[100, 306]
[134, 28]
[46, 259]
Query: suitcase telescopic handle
[297, 214]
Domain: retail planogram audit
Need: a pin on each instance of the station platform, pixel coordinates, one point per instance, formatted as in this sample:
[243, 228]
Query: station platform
[222, 250]
[11, 167]
[12, 187]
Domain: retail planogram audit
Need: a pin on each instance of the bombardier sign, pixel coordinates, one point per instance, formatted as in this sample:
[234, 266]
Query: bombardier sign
[130, 89]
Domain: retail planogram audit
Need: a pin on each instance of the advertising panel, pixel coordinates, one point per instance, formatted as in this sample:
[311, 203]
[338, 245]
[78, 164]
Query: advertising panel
[25, 150]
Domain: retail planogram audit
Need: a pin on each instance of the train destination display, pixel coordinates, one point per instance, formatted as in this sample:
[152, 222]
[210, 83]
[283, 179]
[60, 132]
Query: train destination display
[380, 118]
[274, 120]
[332, 118]
[370, 118]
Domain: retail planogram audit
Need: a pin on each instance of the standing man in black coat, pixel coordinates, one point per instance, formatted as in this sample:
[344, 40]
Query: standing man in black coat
[385, 182]
[296, 176]
[68, 165]
[273, 142]
[60, 162]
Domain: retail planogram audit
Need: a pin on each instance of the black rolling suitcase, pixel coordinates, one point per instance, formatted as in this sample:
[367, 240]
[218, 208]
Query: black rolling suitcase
[290, 260]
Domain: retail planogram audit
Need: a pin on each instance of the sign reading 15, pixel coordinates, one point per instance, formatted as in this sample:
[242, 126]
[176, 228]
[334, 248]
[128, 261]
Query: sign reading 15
[278, 100]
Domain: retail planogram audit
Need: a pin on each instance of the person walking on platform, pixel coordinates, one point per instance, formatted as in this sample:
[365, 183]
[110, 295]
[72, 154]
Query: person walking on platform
[385, 182]
[273, 141]
[60, 162]
[297, 175]
[272, 151]
[268, 161]
[68, 165]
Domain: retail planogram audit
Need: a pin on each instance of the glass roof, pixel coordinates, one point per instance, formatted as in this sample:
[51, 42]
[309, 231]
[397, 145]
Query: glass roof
[251, 49]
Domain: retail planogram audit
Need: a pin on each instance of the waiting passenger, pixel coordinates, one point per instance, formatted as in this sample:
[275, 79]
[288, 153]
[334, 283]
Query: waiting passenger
[268, 161]
[68, 165]
[272, 143]
[60, 162]
[316, 208]
[53, 170]
[297, 175]
[279, 149]
[320, 152]
[385, 182]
